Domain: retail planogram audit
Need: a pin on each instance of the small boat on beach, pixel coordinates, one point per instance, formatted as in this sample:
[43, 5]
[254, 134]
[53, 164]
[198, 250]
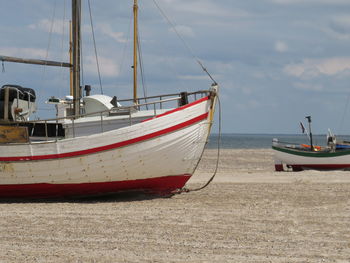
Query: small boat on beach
[98, 144]
[297, 157]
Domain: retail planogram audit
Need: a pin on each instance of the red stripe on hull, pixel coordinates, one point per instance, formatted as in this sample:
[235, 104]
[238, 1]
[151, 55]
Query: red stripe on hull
[320, 167]
[279, 168]
[107, 147]
[154, 185]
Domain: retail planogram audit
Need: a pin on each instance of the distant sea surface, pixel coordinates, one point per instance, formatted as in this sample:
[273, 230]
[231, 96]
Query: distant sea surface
[261, 141]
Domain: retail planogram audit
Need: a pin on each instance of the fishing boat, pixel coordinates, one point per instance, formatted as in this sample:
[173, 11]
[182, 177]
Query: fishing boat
[298, 157]
[98, 144]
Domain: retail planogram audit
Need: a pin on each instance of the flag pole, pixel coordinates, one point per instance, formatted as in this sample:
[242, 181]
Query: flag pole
[309, 121]
[304, 130]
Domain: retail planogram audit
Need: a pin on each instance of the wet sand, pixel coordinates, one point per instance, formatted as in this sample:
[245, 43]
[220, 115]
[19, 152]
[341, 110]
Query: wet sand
[248, 214]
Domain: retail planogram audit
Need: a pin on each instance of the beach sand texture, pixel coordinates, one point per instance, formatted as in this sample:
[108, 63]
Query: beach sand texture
[248, 214]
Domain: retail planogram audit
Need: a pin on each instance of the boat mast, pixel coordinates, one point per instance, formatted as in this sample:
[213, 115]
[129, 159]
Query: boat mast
[135, 49]
[70, 59]
[76, 22]
[311, 142]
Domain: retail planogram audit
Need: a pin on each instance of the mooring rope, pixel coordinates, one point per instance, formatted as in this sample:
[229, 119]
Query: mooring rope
[187, 190]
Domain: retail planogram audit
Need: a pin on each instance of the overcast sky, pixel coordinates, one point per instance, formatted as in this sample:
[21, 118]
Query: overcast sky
[275, 60]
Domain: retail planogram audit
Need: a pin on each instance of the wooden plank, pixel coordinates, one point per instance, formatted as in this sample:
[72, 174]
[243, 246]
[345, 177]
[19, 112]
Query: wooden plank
[13, 134]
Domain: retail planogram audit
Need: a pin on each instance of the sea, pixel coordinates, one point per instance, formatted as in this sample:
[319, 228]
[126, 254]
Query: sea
[264, 141]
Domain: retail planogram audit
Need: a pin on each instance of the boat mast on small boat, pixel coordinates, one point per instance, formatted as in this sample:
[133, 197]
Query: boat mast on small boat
[95, 145]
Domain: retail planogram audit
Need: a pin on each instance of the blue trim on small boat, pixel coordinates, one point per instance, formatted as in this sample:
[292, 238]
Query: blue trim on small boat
[342, 146]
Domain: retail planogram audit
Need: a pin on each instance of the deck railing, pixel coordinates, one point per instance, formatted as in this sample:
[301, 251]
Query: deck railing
[155, 103]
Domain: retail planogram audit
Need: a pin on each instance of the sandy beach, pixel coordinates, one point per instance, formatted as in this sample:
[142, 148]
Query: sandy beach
[248, 214]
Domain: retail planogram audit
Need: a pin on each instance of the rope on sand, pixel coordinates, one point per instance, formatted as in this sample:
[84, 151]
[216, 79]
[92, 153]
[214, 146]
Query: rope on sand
[186, 190]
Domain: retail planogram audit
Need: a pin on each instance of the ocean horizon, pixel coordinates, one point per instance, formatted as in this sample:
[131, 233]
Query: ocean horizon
[264, 141]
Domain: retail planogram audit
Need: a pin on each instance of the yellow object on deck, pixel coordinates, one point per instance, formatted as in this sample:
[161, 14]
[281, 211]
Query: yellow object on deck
[13, 134]
[316, 148]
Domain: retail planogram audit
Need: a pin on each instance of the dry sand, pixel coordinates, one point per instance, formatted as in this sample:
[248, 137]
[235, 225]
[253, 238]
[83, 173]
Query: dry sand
[248, 214]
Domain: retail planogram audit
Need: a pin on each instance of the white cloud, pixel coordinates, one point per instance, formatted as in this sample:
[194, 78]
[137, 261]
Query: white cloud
[307, 86]
[184, 31]
[259, 75]
[23, 52]
[330, 2]
[108, 30]
[194, 77]
[251, 104]
[57, 26]
[206, 7]
[343, 20]
[341, 25]
[281, 46]
[108, 67]
[311, 68]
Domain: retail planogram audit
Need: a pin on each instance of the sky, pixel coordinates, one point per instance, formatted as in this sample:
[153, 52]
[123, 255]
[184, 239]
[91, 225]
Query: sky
[276, 61]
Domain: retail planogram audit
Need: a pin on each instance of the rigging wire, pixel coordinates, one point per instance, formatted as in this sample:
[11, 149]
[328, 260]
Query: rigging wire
[142, 69]
[121, 65]
[81, 53]
[183, 41]
[93, 37]
[62, 41]
[49, 43]
[51, 30]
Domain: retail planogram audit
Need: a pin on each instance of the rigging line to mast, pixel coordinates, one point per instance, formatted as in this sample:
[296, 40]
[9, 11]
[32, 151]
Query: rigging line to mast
[183, 41]
[49, 42]
[51, 30]
[142, 69]
[121, 65]
[81, 53]
[62, 40]
[93, 37]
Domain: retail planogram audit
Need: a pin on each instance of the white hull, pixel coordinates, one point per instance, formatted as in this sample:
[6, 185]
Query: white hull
[159, 154]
